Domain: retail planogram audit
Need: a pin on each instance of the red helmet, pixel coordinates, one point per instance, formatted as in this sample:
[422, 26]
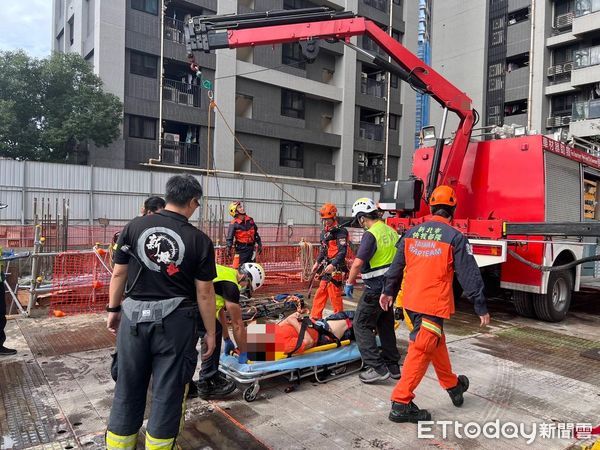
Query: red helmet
[443, 195]
[328, 211]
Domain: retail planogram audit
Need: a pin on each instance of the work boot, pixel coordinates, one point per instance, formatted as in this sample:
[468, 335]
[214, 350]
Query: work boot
[403, 412]
[456, 393]
[372, 375]
[4, 351]
[215, 386]
[394, 371]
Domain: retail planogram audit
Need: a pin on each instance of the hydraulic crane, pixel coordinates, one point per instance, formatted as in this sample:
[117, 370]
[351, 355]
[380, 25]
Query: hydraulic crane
[307, 26]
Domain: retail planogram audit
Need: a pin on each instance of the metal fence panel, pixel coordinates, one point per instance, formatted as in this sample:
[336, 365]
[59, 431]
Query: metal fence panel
[260, 190]
[11, 173]
[57, 176]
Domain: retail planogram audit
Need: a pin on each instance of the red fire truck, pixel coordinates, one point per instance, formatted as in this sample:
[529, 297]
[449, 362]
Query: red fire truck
[521, 199]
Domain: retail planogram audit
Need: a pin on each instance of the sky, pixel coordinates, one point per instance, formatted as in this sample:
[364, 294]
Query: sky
[26, 24]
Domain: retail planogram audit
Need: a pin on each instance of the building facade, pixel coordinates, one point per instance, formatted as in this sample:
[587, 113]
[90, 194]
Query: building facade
[323, 120]
[540, 59]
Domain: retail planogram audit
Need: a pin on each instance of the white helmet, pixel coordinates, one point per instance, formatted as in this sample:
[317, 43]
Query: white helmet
[363, 206]
[255, 274]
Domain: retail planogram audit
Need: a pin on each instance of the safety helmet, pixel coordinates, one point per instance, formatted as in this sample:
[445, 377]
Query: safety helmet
[363, 206]
[255, 274]
[328, 211]
[443, 195]
[233, 206]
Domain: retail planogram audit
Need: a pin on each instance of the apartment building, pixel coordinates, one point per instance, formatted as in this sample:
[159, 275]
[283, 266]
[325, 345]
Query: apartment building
[331, 119]
[540, 61]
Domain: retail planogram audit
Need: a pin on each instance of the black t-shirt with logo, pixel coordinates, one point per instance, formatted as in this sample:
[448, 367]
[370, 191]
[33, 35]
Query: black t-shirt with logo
[173, 254]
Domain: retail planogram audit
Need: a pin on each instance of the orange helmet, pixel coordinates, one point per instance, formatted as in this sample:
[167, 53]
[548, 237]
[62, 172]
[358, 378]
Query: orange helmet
[443, 195]
[328, 211]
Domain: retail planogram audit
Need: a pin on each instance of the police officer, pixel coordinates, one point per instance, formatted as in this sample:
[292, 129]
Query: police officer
[429, 256]
[332, 256]
[228, 286]
[244, 232]
[165, 267]
[374, 256]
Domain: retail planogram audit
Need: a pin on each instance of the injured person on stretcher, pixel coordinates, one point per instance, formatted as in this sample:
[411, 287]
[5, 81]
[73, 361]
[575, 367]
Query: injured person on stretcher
[296, 333]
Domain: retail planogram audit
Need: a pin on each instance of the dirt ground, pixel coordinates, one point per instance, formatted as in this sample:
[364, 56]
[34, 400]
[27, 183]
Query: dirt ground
[56, 392]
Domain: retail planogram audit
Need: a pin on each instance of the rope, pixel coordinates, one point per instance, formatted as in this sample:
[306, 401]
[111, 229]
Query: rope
[261, 170]
[306, 259]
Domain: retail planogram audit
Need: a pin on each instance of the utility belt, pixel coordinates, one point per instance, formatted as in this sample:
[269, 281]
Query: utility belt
[337, 276]
[140, 311]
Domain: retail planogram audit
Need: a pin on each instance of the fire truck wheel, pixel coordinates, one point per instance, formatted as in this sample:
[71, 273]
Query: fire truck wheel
[554, 305]
[524, 303]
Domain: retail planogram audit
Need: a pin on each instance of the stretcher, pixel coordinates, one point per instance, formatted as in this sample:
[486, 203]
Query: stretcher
[325, 363]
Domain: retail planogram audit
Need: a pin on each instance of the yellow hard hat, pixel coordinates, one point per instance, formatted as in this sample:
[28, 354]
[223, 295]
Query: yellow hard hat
[233, 206]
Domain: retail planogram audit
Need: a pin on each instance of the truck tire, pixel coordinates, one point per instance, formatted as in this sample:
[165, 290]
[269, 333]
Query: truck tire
[524, 303]
[554, 305]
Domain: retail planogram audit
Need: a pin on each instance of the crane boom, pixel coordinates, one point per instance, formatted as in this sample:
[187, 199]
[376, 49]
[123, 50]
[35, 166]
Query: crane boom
[208, 33]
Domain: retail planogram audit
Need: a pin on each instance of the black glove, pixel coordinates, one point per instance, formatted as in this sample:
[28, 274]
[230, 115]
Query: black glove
[259, 249]
[398, 314]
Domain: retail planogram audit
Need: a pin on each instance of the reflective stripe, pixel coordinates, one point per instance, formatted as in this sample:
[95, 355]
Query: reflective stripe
[430, 326]
[153, 443]
[114, 441]
[375, 273]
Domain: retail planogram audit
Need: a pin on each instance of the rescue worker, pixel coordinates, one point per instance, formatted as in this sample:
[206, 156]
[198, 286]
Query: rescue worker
[374, 256]
[332, 257]
[165, 266]
[429, 256]
[228, 285]
[243, 234]
[152, 205]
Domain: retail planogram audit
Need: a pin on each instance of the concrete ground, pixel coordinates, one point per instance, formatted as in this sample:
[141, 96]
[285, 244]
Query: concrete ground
[56, 392]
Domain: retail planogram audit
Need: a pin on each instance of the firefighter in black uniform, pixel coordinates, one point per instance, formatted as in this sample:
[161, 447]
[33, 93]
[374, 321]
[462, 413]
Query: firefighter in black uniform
[244, 232]
[165, 267]
[332, 261]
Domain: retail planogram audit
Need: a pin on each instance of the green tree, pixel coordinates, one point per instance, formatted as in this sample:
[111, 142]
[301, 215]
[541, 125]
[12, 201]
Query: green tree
[49, 107]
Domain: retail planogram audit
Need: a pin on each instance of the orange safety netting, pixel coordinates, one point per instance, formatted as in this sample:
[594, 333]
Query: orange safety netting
[80, 282]
[81, 279]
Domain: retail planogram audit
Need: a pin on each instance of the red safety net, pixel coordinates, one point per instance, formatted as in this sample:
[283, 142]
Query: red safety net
[80, 281]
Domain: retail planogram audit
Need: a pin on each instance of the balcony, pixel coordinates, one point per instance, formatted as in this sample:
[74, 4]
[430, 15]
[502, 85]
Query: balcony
[381, 5]
[180, 153]
[372, 87]
[586, 110]
[370, 175]
[557, 121]
[181, 93]
[174, 30]
[560, 73]
[587, 22]
[370, 131]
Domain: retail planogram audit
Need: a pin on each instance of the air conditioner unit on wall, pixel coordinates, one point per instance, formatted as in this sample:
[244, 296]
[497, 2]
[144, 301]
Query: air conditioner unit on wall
[171, 137]
[169, 94]
[550, 71]
[186, 99]
[563, 20]
[568, 66]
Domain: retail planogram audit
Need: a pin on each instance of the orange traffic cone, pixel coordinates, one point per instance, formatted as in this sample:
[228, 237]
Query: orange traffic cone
[236, 261]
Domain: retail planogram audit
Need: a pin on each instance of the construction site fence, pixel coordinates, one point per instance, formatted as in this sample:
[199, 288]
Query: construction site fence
[80, 280]
[77, 237]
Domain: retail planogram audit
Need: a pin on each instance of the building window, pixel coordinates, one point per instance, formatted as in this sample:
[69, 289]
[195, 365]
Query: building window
[396, 35]
[498, 23]
[495, 84]
[291, 55]
[142, 127]
[292, 104]
[497, 37]
[243, 106]
[397, 2]
[394, 119]
[297, 4]
[90, 58]
[142, 64]
[394, 81]
[71, 30]
[149, 6]
[291, 154]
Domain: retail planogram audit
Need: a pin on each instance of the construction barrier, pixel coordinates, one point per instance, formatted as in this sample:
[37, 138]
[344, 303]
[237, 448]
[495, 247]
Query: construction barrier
[81, 279]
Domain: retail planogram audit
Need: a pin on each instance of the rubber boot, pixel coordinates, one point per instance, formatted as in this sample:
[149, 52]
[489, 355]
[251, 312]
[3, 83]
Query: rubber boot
[456, 393]
[403, 412]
